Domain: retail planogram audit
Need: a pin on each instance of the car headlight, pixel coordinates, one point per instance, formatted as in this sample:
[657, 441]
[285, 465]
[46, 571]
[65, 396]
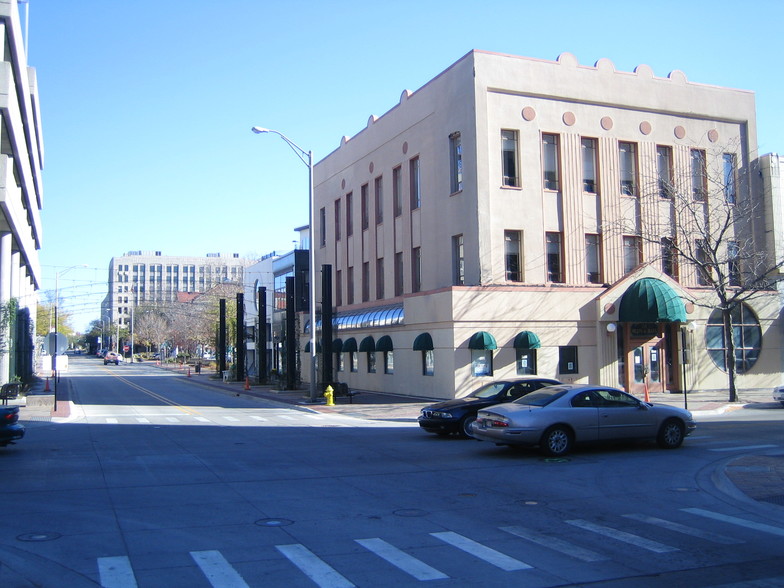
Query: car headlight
[436, 414]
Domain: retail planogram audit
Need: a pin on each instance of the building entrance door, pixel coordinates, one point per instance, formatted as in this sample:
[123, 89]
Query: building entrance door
[646, 359]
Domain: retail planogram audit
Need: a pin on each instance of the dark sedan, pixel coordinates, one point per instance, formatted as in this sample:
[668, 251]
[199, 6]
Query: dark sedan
[10, 429]
[456, 415]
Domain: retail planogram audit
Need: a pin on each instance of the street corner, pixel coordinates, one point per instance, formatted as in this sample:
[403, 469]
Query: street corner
[760, 477]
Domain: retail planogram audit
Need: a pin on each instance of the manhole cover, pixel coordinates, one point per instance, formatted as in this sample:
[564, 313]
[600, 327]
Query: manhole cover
[555, 460]
[530, 503]
[685, 489]
[409, 512]
[38, 536]
[274, 522]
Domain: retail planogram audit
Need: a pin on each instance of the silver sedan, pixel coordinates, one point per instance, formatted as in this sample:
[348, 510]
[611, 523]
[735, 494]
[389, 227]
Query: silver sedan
[557, 417]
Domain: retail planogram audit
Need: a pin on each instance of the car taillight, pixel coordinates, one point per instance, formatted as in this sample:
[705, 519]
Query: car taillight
[10, 417]
[497, 423]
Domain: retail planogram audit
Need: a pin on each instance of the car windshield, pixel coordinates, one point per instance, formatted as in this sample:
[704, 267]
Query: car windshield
[543, 396]
[488, 391]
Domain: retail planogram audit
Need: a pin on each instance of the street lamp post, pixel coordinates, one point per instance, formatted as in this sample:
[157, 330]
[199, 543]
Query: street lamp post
[307, 158]
[56, 301]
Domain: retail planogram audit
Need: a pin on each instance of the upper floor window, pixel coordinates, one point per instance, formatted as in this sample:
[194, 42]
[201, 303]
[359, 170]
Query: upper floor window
[349, 214]
[698, 175]
[398, 273]
[379, 187]
[593, 258]
[509, 159]
[512, 256]
[550, 162]
[364, 206]
[458, 261]
[455, 163]
[337, 220]
[588, 150]
[728, 159]
[380, 278]
[701, 258]
[669, 260]
[366, 281]
[416, 269]
[322, 227]
[733, 262]
[414, 183]
[554, 252]
[664, 170]
[397, 190]
[632, 253]
[627, 154]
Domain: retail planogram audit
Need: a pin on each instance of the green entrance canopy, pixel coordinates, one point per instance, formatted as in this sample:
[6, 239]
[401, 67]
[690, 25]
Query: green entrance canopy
[649, 300]
[482, 340]
[527, 340]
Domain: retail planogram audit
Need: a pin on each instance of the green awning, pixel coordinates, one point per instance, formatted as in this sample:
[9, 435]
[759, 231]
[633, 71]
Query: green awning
[527, 340]
[349, 345]
[384, 343]
[318, 346]
[367, 344]
[650, 300]
[423, 342]
[482, 340]
[337, 346]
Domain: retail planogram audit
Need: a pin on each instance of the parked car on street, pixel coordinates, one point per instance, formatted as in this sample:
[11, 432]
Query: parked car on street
[557, 417]
[456, 415]
[10, 429]
[112, 357]
[778, 394]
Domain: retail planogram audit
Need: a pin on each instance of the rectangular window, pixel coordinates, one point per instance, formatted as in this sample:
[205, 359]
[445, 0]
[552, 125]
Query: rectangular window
[399, 273]
[632, 253]
[416, 269]
[339, 288]
[593, 258]
[701, 257]
[339, 358]
[669, 258]
[371, 362]
[397, 190]
[380, 278]
[730, 193]
[364, 206]
[337, 220]
[627, 154]
[513, 256]
[353, 360]
[554, 251]
[698, 175]
[509, 159]
[664, 170]
[428, 362]
[550, 162]
[458, 261]
[588, 149]
[366, 281]
[525, 361]
[481, 362]
[414, 183]
[349, 214]
[350, 285]
[455, 163]
[322, 227]
[378, 185]
[733, 263]
[567, 359]
[389, 362]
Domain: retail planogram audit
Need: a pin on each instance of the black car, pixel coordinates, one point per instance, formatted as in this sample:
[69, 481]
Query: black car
[456, 415]
[10, 429]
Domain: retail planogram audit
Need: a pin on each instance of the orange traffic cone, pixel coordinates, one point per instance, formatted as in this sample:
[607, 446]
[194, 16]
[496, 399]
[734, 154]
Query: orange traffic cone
[647, 397]
[247, 383]
[47, 386]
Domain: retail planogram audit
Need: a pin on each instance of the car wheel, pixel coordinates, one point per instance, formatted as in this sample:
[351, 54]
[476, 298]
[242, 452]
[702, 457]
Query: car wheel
[670, 434]
[465, 425]
[557, 441]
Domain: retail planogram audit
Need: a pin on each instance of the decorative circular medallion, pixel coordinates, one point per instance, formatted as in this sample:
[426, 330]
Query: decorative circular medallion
[405, 147]
[371, 167]
[529, 113]
[645, 127]
[680, 132]
[343, 184]
[713, 135]
[607, 123]
[569, 118]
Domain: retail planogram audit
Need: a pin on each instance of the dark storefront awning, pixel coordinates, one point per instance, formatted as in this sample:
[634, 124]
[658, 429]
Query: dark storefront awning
[384, 343]
[482, 340]
[423, 342]
[318, 346]
[349, 345]
[651, 301]
[337, 345]
[367, 344]
[527, 340]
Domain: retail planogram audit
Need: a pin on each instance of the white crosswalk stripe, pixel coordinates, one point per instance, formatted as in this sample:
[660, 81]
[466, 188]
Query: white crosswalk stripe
[765, 528]
[623, 536]
[401, 560]
[707, 535]
[173, 419]
[314, 567]
[556, 544]
[741, 448]
[258, 418]
[111, 421]
[217, 570]
[142, 420]
[487, 554]
[232, 419]
[116, 572]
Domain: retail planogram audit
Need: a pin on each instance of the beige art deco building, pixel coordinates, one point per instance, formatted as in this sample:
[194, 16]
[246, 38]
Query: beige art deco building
[518, 215]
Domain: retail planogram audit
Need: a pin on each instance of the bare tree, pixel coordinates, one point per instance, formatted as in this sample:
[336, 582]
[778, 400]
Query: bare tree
[707, 226]
[151, 326]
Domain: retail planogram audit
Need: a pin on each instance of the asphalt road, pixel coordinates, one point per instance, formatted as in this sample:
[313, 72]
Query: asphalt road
[157, 480]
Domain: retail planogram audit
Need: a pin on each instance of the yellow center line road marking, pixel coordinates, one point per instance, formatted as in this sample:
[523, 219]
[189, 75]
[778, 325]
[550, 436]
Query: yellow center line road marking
[157, 396]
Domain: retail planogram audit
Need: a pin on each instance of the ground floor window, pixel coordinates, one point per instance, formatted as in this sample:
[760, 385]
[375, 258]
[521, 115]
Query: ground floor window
[746, 335]
[353, 360]
[339, 361]
[482, 362]
[428, 362]
[389, 362]
[371, 362]
[567, 359]
[526, 361]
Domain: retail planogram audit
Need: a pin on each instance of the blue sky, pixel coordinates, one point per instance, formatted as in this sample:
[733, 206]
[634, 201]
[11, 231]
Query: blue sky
[147, 105]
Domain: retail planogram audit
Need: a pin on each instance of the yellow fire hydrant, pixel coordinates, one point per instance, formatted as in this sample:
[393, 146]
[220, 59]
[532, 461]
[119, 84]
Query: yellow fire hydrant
[329, 394]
